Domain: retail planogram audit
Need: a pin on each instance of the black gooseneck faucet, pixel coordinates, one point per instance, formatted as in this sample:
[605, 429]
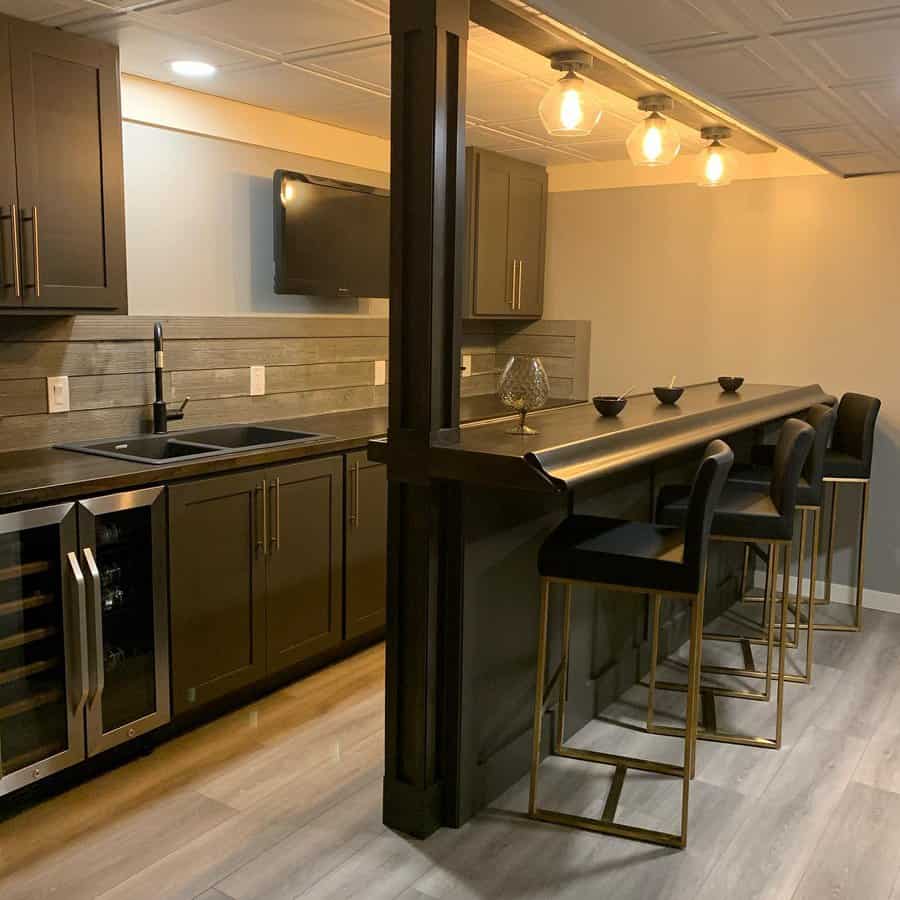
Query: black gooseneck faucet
[161, 414]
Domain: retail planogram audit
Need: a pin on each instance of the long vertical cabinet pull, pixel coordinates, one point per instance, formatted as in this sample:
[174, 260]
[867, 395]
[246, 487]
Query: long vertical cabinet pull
[521, 280]
[98, 680]
[13, 217]
[35, 250]
[80, 619]
[275, 503]
[356, 494]
[262, 521]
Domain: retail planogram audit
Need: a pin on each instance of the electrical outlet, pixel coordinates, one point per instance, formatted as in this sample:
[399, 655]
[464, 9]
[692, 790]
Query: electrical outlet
[257, 381]
[58, 394]
[466, 365]
[380, 371]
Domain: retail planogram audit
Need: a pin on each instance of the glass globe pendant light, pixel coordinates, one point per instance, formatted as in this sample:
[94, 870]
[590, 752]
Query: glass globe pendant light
[716, 163]
[572, 107]
[653, 142]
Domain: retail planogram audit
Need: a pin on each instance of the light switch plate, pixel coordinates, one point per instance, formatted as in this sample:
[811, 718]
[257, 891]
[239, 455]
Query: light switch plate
[380, 372]
[58, 394]
[466, 365]
[257, 381]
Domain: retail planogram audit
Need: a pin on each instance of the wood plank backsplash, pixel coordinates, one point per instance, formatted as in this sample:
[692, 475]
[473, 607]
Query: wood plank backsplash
[314, 364]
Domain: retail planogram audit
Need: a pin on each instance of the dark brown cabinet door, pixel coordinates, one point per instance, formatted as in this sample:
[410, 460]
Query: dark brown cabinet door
[10, 286]
[366, 545]
[68, 137]
[303, 600]
[506, 221]
[527, 218]
[217, 546]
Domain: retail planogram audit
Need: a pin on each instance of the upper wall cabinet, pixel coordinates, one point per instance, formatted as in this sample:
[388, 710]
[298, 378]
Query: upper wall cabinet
[507, 223]
[62, 232]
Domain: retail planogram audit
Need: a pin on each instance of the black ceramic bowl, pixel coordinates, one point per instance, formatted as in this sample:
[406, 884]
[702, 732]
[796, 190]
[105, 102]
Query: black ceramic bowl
[609, 406]
[668, 395]
[730, 383]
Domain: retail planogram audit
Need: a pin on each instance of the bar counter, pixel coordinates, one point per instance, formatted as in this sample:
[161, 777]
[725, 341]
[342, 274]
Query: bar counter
[495, 498]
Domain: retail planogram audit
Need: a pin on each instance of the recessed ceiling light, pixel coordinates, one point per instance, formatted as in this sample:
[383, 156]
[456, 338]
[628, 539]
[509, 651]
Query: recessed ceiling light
[192, 68]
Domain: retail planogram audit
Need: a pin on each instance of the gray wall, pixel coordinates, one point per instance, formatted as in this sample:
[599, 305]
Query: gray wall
[790, 280]
[198, 216]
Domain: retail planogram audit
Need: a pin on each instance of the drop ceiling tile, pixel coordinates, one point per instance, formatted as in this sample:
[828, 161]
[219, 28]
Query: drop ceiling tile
[491, 139]
[826, 141]
[146, 52]
[285, 88]
[862, 163]
[520, 60]
[855, 52]
[794, 109]
[545, 156]
[609, 128]
[368, 65]
[604, 151]
[37, 10]
[649, 23]
[776, 14]
[504, 102]
[750, 66]
[876, 102]
[276, 26]
[370, 117]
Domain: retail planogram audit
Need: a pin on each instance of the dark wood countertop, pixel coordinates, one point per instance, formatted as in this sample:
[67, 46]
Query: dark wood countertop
[48, 475]
[576, 445]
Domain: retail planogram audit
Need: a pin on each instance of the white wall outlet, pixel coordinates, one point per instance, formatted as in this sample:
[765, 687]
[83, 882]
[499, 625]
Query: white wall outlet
[466, 365]
[257, 381]
[380, 372]
[58, 394]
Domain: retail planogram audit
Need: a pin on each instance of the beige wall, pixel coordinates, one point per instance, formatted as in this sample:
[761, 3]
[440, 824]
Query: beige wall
[790, 280]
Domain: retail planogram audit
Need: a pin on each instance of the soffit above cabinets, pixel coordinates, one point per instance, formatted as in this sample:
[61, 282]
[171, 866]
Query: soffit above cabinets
[332, 64]
[820, 76]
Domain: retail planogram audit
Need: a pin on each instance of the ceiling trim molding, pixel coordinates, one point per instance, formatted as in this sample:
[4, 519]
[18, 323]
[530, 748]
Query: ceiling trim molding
[162, 105]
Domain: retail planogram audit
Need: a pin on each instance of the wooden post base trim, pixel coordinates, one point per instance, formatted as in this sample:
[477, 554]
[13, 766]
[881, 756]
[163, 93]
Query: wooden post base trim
[415, 811]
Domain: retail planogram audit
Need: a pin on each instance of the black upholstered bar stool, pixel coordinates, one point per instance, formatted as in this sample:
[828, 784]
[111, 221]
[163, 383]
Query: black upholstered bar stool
[636, 558]
[847, 461]
[809, 504]
[748, 514]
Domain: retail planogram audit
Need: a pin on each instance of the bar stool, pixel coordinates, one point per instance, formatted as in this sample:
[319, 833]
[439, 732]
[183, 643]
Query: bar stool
[747, 514]
[847, 461]
[636, 558]
[809, 503]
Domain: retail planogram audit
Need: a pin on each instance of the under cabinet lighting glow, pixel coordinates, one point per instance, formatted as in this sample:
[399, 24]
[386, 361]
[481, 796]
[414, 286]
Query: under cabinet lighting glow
[192, 68]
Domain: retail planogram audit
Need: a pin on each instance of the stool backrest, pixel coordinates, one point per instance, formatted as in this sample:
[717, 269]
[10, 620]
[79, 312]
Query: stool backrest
[709, 480]
[822, 418]
[795, 440]
[854, 431]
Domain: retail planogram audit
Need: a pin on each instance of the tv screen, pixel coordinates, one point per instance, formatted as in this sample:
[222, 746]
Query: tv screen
[332, 238]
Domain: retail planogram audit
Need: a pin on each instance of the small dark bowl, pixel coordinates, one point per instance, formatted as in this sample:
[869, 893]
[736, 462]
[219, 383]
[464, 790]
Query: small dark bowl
[668, 396]
[609, 406]
[730, 383]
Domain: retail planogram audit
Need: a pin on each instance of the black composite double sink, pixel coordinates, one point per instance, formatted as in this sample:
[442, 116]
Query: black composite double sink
[157, 449]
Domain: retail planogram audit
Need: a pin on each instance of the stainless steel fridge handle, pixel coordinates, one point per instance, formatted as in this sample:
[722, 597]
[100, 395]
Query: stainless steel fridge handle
[81, 631]
[96, 627]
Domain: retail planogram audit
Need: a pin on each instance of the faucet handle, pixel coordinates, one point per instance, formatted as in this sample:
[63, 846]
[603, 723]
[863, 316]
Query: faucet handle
[184, 403]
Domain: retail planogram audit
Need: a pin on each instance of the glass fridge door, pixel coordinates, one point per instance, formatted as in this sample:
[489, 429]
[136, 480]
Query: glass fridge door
[123, 546]
[43, 645]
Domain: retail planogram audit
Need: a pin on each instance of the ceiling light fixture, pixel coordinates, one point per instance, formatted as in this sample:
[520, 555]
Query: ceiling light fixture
[571, 108]
[192, 68]
[716, 163]
[653, 142]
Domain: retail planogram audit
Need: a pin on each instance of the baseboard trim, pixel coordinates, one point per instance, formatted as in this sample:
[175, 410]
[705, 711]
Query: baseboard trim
[846, 594]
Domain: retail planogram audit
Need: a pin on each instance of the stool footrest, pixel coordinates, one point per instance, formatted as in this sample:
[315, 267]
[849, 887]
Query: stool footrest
[623, 762]
[722, 737]
[666, 839]
[715, 690]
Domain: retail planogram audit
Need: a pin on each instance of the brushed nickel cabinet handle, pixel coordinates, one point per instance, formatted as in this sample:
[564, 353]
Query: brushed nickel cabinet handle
[521, 280]
[13, 217]
[80, 632]
[262, 529]
[275, 489]
[356, 494]
[512, 293]
[35, 250]
[96, 611]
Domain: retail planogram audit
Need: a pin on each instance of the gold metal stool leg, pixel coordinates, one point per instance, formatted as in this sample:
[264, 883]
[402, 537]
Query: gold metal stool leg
[606, 824]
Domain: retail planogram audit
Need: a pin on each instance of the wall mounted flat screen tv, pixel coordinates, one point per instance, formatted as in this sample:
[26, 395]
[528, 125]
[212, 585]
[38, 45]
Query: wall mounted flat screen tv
[332, 238]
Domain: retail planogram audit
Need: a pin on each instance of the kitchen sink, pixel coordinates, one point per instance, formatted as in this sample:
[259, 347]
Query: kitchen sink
[193, 443]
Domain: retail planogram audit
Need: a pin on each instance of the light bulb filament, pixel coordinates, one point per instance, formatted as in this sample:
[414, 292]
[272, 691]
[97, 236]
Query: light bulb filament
[571, 112]
[652, 146]
[715, 167]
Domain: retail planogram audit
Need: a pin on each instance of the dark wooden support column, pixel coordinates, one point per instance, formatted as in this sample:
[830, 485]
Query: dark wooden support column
[428, 78]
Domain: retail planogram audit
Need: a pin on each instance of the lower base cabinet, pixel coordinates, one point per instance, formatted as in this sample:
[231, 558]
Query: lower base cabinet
[365, 545]
[256, 575]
